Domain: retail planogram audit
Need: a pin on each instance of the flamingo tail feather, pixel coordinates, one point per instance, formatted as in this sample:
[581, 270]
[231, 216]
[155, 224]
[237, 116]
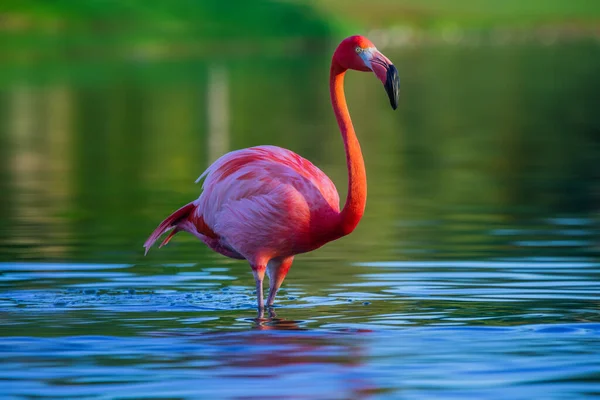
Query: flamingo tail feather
[169, 224]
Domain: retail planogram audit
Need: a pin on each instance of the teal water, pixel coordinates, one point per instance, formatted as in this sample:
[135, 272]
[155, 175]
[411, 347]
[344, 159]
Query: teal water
[475, 272]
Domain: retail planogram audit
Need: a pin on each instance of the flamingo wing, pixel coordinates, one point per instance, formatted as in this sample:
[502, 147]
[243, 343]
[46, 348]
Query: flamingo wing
[267, 201]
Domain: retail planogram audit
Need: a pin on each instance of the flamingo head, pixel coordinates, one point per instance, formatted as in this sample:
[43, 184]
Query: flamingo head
[360, 54]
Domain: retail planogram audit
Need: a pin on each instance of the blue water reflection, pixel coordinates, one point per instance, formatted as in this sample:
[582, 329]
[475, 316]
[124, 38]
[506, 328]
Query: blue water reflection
[476, 362]
[455, 329]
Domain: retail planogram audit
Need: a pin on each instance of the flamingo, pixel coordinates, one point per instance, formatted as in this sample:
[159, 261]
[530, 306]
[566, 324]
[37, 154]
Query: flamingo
[266, 204]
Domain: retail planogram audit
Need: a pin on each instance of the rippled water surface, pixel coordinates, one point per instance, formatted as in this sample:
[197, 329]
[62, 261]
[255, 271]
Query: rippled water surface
[475, 272]
[414, 329]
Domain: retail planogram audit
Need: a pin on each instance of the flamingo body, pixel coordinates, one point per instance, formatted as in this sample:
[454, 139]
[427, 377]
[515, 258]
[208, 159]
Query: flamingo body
[266, 204]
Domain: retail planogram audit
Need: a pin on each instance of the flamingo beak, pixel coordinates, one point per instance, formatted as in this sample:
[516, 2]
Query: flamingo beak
[392, 85]
[386, 72]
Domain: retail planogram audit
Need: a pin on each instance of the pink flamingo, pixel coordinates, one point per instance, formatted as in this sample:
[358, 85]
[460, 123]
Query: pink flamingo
[266, 204]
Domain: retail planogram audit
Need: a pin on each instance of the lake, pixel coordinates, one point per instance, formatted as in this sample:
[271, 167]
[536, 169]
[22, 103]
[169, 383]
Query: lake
[475, 272]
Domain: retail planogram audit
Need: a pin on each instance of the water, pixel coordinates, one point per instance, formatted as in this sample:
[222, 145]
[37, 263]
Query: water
[474, 274]
[493, 329]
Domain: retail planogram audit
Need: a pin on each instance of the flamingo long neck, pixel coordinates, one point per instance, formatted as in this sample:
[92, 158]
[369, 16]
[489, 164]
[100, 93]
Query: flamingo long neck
[357, 178]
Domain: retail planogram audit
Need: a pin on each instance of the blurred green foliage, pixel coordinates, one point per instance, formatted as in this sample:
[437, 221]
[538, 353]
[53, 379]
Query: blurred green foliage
[82, 39]
[476, 13]
[173, 18]
[260, 18]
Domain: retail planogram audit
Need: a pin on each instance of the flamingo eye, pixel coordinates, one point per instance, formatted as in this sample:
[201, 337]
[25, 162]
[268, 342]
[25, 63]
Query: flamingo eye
[358, 49]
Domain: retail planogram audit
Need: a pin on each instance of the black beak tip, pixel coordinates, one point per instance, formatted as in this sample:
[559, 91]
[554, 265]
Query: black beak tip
[392, 86]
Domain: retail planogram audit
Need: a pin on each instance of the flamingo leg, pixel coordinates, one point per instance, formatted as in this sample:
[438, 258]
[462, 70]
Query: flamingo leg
[277, 270]
[259, 275]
